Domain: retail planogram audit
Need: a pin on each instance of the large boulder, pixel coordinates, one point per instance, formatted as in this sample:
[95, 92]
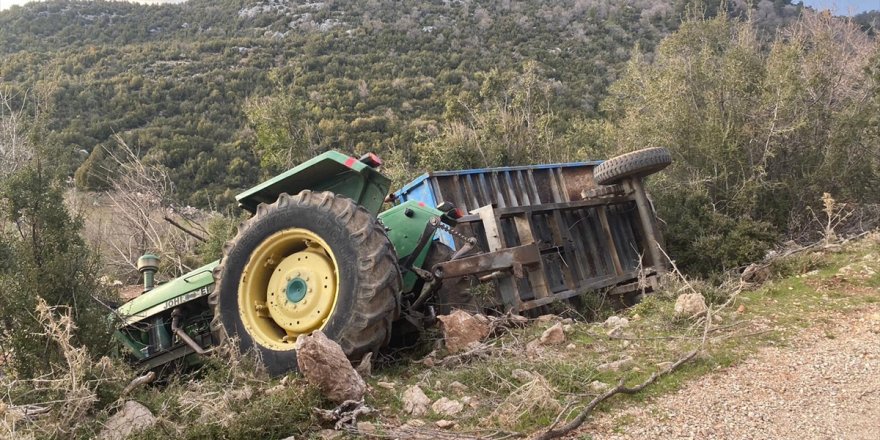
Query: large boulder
[461, 330]
[689, 305]
[132, 418]
[324, 365]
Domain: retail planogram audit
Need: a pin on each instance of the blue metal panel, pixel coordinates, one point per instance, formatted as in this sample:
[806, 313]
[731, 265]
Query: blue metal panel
[503, 186]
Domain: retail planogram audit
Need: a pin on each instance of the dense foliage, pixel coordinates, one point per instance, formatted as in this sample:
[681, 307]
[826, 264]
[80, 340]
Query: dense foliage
[178, 82]
[44, 258]
[758, 132]
[764, 108]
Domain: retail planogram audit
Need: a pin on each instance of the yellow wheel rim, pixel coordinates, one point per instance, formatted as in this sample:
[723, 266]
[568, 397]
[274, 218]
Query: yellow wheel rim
[289, 287]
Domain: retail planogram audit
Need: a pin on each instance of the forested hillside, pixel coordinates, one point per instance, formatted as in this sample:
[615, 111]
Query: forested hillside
[178, 82]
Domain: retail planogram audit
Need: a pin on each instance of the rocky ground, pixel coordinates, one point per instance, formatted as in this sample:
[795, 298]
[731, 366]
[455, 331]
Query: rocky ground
[790, 352]
[824, 384]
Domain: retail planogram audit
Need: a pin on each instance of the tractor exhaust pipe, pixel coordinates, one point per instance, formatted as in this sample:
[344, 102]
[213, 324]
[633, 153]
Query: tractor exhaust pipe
[148, 264]
[175, 327]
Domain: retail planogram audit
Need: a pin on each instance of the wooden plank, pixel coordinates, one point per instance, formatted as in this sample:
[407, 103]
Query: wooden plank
[602, 212]
[537, 277]
[595, 284]
[563, 238]
[506, 286]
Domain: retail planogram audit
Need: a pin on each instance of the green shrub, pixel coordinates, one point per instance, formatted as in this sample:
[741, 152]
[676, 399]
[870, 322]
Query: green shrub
[704, 241]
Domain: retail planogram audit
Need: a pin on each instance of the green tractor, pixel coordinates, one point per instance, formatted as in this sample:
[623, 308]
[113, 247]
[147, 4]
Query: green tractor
[317, 254]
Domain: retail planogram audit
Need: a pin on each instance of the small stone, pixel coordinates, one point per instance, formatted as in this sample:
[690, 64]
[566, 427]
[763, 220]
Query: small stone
[415, 401]
[741, 309]
[366, 428]
[534, 348]
[567, 321]
[461, 329]
[567, 328]
[598, 387]
[615, 333]
[553, 335]
[330, 434]
[689, 305]
[616, 321]
[718, 318]
[458, 387]
[447, 407]
[386, 385]
[444, 424]
[132, 418]
[547, 318]
[522, 375]
[664, 365]
[275, 390]
[570, 347]
[618, 365]
[756, 273]
[415, 422]
[365, 367]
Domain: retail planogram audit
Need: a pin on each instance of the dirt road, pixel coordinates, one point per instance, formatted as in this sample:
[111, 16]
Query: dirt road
[825, 384]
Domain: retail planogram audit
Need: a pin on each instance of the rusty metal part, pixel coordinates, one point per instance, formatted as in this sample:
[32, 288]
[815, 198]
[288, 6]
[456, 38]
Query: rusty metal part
[492, 276]
[646, 215]
[175, 327]
[502, 259]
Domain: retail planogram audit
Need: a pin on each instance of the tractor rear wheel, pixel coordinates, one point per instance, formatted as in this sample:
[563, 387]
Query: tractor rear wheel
[313, 261]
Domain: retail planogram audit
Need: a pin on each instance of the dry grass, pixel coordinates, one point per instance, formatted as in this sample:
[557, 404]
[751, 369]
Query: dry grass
[55, 404]
[534, 395]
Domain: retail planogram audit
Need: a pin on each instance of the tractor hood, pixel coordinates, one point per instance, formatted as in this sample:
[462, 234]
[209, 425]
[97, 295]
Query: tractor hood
[195, 284]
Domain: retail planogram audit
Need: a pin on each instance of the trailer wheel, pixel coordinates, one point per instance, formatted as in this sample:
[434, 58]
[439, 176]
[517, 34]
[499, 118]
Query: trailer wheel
[638, 163]
[313, 261]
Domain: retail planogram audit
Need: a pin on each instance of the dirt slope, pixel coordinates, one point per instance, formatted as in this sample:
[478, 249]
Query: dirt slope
[824, 385]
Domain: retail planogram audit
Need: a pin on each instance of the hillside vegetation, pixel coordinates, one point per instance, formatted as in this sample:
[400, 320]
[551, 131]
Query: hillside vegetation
[114, 116]
[211, 90]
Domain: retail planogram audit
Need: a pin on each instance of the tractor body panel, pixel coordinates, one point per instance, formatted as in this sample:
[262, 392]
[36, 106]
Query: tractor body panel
[188, 287]
[406, 225]
[331, 171]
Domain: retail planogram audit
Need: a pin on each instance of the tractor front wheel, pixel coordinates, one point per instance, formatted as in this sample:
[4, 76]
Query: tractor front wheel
[313, 261]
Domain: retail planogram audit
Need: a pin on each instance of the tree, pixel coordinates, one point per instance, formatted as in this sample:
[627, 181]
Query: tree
[758, 133]
[285, 136]
[48, 260]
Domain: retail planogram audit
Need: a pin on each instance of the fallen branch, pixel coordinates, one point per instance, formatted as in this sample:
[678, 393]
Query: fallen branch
[344, 415]
[138, 381]
[552, 432]
[480, 351]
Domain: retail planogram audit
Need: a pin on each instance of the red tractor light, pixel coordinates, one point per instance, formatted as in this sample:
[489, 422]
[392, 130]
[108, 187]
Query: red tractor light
[371, 160]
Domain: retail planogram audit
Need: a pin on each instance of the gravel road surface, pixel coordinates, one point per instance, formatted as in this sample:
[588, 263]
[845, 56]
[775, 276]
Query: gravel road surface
[824, 385]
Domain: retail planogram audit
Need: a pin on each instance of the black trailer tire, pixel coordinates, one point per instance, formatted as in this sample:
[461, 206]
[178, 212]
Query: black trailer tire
[367, 295]
[635, 164]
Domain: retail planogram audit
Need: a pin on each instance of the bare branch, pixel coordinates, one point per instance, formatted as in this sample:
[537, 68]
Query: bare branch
[619, 389]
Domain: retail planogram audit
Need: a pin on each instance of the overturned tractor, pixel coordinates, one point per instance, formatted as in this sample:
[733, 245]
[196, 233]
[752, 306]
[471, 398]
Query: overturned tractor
[318, 252]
